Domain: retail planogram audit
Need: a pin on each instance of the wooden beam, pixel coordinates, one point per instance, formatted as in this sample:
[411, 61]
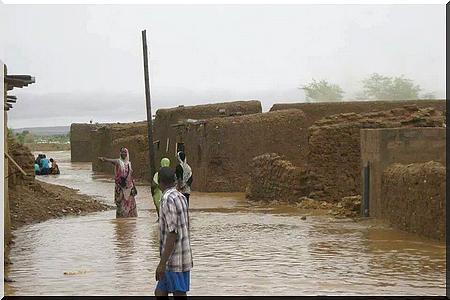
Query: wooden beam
[16, 164]
[151, 151]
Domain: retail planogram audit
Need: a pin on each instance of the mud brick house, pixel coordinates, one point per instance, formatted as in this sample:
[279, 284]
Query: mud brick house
[89, 141]
[406, 177]
[107, 139]
[220, 149]
[167, 121]
[317, 111]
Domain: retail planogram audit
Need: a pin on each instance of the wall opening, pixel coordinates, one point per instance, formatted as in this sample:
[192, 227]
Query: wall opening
[180, 147]
[199, 153]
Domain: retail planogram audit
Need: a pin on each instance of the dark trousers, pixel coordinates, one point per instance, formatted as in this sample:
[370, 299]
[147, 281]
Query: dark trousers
[187, 198]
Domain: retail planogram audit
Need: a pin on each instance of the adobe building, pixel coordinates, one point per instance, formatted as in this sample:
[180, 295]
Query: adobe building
[166, 122]
[91, 141]
[80, 142]
[315, 111]
[220, 150]
[220, 140]
[406, 178]
[107, 139]
[335, 145]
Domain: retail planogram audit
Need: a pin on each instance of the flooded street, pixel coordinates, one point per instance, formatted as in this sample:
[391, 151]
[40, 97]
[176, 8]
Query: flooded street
[238, 249]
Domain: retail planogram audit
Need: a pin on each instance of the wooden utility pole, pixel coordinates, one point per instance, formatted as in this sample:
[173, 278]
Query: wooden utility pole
[151, 152]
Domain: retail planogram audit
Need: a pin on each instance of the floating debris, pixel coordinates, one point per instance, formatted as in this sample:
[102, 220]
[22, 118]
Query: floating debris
[75, 273]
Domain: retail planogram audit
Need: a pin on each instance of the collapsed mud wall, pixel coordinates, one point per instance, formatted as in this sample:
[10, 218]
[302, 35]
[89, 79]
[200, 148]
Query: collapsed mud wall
[415, 198]
[220, 149]
[334, 146]
[272, 177]
[165, 131]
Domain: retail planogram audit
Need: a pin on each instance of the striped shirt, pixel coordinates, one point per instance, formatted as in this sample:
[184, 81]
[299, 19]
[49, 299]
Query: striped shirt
[174, 217]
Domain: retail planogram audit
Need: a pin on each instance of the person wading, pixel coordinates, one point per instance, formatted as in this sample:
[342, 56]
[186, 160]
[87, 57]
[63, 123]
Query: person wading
[54, 170]
[184, 175]
[173, 271]
[125, 190]
[45, 165]
[165, 162]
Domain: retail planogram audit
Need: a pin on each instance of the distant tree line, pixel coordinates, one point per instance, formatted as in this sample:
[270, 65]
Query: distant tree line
[375, 87]
[26, 137]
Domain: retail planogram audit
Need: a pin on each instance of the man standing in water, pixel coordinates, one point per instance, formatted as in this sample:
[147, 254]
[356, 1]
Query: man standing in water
[173, 271]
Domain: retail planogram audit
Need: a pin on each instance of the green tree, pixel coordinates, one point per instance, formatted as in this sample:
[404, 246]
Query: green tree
[381, 87]
[322, 91]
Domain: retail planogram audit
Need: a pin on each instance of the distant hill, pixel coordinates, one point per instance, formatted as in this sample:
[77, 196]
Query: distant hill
[45, 131]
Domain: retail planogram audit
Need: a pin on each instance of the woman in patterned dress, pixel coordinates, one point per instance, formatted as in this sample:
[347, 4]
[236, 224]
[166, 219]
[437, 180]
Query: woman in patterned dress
[125, 190]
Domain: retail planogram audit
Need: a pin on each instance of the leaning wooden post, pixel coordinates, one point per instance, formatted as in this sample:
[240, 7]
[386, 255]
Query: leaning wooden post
[151, 152]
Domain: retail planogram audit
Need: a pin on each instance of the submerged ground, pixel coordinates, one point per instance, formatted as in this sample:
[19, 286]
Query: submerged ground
[238, 249]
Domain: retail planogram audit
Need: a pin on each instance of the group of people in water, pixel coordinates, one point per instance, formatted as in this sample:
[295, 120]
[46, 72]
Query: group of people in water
[125, 188]
[45, 166]
[171, 189]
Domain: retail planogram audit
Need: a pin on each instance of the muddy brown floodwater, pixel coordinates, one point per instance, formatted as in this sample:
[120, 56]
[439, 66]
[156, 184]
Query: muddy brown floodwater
[238, 249]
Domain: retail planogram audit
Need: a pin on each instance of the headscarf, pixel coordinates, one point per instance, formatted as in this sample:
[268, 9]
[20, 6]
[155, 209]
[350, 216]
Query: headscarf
[165, 162]
[123, 171]
[123, 162]
[187, 172]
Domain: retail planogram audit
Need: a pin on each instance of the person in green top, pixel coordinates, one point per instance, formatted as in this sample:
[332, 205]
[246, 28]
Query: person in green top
[165, 162]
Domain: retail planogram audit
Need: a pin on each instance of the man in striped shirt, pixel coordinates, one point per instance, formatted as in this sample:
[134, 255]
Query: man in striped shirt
[173, 271]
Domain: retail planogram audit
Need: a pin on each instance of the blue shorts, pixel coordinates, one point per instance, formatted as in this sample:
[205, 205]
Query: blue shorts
[174, 282]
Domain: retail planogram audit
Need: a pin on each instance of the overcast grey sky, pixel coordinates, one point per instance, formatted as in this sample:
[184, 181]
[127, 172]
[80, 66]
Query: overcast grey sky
[87, 60]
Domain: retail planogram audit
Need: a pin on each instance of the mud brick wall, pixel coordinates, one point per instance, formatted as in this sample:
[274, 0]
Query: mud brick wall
[137, 146]
[414, 198]
[80, 142]
[166, 134]
[220, 149]
[24, 158]
[383, 147]
[272, 177]
[335, 151]
[317, 111]
[109, 138]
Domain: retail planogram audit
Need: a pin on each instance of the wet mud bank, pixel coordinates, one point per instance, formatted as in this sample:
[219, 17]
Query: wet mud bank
[32, 201]
[36, 201]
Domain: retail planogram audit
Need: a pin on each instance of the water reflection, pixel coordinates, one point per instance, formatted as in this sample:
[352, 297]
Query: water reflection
[124, 237]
